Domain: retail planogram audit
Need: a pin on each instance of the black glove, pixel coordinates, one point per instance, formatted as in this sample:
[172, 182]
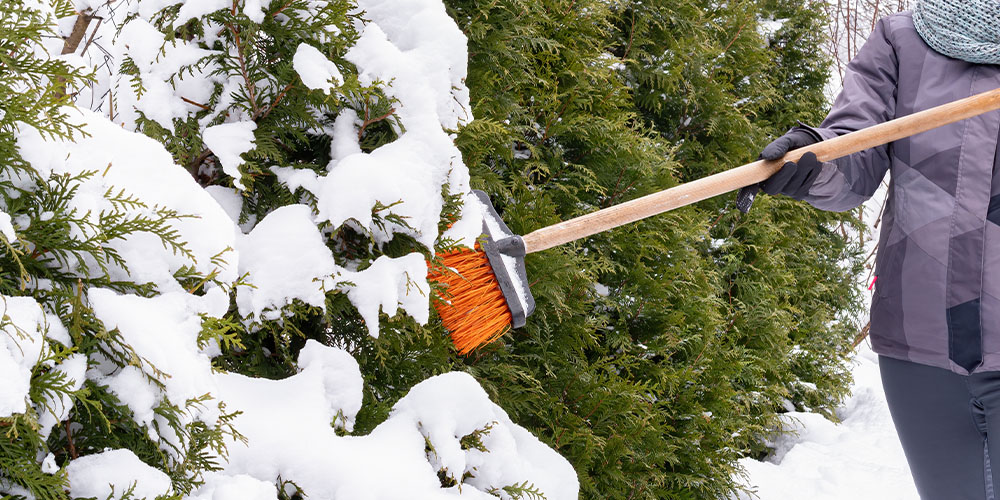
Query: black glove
[793, 139]
[785, 181]
[794, 179]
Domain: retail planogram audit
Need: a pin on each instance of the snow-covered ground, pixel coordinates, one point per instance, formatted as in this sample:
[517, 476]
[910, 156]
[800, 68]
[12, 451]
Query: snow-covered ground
[859, 459]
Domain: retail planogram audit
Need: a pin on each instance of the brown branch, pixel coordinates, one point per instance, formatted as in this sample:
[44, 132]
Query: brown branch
[243, 67]
[716, 221]
[281, 95]
[631, 34]
[76, 36]
[93, 34]
[369, 121]
[862, 335]
[599, 403]
[200, 105]
[71, 44]
[737, 35]
[69, 438]
[283, 7]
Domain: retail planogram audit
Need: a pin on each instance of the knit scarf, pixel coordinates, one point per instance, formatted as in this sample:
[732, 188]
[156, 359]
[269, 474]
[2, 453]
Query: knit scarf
[963, 29]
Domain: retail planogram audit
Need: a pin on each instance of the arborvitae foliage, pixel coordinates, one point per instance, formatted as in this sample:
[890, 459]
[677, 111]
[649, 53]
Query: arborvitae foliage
[32, 88]
[786, 268]
[59, 253]
[661, 352]
[252, 65]
[258, 57]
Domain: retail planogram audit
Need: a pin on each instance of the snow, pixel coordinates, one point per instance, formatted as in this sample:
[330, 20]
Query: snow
[274, 278]
[389, 284]
[345, 136]
[228, 141]
[6, 227]
[859, 458]
[342, 381]
[514, 454]
[391, 461]
[123, 160]
[162, 335]
[400, 175]
[316, 71]
[56, 409]
[111, 473]
[229, 199]
[22, 345]
[156, 60]
[238, 487]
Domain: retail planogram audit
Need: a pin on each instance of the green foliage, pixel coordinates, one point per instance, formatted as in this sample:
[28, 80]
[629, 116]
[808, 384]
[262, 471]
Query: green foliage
[659, 352]
[520, 491]
[58, 254]
[292, 123]
[33, 89]
[258, 57]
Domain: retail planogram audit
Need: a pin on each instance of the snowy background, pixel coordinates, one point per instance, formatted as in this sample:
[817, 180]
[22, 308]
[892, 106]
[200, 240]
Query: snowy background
[859, 458]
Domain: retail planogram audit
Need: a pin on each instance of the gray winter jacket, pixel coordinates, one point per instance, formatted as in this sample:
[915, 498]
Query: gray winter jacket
[937, 299]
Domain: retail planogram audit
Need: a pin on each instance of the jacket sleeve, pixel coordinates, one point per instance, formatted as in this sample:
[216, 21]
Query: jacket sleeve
[868, 98]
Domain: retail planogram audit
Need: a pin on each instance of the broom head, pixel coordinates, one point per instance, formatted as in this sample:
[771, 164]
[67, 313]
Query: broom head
[474, 309]
[487, 288]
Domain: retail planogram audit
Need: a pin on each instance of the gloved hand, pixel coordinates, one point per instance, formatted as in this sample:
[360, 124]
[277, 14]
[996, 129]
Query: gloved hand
[793, 139]
[794, 179]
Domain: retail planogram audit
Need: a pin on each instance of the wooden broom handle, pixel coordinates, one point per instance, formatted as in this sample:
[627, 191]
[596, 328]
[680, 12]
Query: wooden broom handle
[752, 173]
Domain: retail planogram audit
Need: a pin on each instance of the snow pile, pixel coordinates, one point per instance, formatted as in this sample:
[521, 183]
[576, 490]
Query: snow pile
[116, 177]
[317, 72]
[275, 279]
[56, 407]
[112, 473]
[389, 282]
[417, 48]
[860, 458]
[121, 165]
[163, 332]
[23, 328]
[393, 461]
[239, 487]
[508, 454]
[228, 141]
[416, 55]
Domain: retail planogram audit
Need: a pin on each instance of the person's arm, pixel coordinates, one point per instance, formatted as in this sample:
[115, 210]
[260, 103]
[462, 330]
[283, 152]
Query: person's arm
[868, 98]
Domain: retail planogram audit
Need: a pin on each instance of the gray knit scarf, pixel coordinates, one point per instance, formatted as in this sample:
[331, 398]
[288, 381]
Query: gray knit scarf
[963, 29]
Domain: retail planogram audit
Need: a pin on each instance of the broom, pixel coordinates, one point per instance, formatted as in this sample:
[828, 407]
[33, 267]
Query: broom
[487, 289]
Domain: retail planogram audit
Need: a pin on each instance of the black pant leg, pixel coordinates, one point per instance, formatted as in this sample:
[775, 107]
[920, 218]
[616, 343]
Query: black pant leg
[986, 388]
[933, 414]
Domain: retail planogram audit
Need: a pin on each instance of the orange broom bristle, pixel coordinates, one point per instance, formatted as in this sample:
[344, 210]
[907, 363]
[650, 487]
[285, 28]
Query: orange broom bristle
[474, 310]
